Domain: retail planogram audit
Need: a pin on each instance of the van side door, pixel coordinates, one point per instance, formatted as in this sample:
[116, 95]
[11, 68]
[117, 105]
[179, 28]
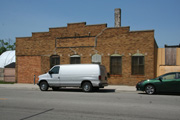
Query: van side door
[70, 76]
[54, 76]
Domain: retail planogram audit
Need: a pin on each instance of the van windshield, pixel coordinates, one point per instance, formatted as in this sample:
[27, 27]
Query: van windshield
[55, 70]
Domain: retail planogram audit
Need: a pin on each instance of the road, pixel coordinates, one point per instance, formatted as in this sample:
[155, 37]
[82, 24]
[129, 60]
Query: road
[29, 104]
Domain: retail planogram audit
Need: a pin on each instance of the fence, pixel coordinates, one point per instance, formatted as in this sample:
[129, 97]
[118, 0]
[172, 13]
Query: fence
[9, 74]
[1, 74]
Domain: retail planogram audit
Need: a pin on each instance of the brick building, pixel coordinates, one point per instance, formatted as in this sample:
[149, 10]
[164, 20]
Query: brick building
[129, 56]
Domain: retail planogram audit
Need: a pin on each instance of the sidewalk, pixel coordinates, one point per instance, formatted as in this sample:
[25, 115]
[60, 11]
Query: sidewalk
[121, 88]
[19, 86]
[36, 87]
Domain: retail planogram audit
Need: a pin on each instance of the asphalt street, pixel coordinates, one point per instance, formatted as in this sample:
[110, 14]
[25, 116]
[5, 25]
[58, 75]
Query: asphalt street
[73, 104]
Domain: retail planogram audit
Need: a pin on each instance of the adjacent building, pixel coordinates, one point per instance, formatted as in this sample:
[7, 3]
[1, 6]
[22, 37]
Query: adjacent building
[7, 66]
[168, 59]
[129, 56]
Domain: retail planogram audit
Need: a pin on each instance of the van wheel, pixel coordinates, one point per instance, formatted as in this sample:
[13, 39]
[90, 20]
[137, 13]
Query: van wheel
[44, 86]
[87, 87]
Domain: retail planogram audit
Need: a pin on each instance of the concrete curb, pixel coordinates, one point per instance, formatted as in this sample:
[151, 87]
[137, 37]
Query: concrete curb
[36, 87]
[121, 88]
[19, 86]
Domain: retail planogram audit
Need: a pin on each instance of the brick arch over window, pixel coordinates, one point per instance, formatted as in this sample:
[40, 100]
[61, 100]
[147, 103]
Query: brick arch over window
[54, 60]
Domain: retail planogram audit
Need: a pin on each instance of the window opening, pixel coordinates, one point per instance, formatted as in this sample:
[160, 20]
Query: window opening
[75, 59]
[54, 60]
[137, 65]
[116, 65]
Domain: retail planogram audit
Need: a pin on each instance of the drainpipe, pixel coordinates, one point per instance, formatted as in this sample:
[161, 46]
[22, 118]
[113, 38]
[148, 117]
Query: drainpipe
[98, 36]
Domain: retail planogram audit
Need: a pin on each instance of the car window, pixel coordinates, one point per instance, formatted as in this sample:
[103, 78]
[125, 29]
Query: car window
[55, 70]
[178, 75]
[169, 76]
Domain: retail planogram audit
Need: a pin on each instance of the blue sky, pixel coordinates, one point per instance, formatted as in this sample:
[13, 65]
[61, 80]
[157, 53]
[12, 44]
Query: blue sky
[19, 18]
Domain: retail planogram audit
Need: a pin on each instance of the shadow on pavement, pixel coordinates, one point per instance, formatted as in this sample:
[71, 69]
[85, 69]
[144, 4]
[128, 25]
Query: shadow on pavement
[80, 90]
[163, 93]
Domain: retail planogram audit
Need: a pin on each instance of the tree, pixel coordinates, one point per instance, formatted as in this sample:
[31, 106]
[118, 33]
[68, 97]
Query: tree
[4, 46]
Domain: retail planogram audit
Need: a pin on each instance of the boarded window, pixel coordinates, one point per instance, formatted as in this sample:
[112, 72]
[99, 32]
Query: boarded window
[137, 65]
[54, 60]
[75, 59]
[116, 65]
[170, 56]
[96, 59]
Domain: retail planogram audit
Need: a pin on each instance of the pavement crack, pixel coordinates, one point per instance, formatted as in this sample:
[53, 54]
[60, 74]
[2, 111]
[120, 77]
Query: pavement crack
[37, 114]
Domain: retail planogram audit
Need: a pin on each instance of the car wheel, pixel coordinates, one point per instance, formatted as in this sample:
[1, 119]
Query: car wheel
[150, 89]
[44, 86]
[87, 87]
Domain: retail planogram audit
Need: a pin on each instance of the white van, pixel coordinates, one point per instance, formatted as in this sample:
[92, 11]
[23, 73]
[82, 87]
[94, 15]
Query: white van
[86, 76]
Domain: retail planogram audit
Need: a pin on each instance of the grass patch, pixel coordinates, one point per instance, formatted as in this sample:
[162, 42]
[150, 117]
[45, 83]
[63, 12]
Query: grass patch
[3, 82]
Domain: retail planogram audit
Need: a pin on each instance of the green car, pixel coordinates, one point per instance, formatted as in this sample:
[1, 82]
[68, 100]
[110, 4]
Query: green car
[169, 82]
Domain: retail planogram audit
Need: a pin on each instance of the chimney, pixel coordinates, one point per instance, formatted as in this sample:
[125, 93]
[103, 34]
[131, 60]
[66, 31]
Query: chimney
[117, 17]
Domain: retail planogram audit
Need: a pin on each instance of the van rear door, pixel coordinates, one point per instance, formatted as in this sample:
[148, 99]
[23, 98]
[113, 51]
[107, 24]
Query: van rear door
[103, 74]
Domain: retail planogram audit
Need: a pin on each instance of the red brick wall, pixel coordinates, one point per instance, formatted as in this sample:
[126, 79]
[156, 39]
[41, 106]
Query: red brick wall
[27, 67]
[36, 50]
[43, 43]
[126, 43]
[75, 42]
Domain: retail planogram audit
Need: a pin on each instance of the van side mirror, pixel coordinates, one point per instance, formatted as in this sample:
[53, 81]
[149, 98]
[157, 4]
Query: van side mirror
[50, 72]
[108, 75]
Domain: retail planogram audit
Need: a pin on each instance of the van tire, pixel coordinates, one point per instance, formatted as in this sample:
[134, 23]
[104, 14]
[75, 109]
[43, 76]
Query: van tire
[87, 87]
[44, 86]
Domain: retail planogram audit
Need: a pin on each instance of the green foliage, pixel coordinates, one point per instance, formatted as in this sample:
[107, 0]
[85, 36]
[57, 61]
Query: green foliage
[4, 46]
[2, 82]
